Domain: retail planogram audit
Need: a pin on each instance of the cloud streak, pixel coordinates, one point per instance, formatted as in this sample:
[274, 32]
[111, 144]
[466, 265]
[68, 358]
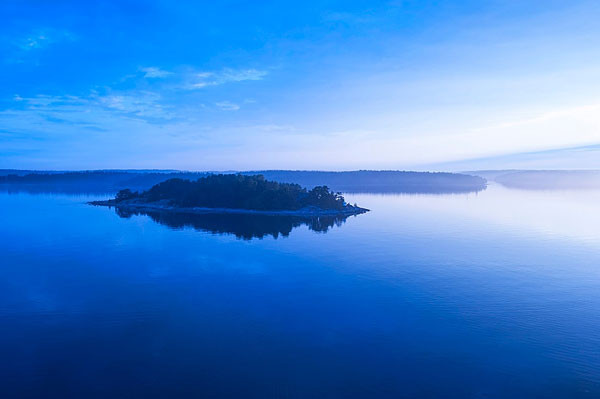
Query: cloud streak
[154, 72]
[42, 38]
[34, 41]
[204, 79]
[144, 105]
[159, 102]
[227, 106]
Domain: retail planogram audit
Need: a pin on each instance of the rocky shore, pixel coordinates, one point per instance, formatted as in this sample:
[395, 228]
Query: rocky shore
[164, 206]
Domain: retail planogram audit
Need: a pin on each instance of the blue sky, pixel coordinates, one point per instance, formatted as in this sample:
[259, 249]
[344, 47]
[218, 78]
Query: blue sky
[299, 85]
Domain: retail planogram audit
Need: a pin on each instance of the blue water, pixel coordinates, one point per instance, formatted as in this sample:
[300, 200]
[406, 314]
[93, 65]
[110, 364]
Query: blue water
[487, 295]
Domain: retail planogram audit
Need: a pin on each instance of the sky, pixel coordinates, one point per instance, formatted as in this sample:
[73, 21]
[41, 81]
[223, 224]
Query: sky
[334, 85]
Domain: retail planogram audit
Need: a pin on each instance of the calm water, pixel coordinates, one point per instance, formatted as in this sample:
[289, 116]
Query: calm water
[488, 295]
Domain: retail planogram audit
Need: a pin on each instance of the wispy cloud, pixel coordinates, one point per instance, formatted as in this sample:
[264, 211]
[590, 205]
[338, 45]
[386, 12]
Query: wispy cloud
[28, 47]
[227, 106]
[203, 79]
[155, 72]
[148, 109]
[194, 79]
[232, 75]
[142, 104]
[362, 18]
[137, 104]
[198, 85]
[149, 105]
[42, 38]
[41, 101]
[34, 41]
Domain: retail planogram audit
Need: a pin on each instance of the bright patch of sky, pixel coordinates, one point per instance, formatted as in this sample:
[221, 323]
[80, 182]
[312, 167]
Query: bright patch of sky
[307, 85]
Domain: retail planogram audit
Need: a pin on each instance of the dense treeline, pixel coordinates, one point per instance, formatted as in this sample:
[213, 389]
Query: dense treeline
[374, 181]
[97, 181]
[111, 181]
[238, 192]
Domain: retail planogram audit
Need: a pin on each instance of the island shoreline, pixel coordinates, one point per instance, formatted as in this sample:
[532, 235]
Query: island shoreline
[303, 212]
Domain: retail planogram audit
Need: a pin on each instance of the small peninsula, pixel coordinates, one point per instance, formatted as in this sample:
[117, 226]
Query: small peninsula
[235, 193]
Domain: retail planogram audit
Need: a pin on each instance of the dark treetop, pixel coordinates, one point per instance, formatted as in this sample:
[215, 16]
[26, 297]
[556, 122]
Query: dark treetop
[235, 191]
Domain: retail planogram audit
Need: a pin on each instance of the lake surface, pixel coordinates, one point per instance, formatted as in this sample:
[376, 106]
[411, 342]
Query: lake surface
[493, 294]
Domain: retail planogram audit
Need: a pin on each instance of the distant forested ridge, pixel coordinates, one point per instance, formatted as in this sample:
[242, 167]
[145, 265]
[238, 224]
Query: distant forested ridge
[380, 181]
[97, 181]
[234, 191]
[111, 181]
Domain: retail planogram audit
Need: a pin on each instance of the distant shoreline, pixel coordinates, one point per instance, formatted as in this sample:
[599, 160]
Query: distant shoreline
[364, 181]
[349, 210]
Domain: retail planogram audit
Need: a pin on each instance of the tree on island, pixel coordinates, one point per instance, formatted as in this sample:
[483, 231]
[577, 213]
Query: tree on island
[236, 191]
[125, 194]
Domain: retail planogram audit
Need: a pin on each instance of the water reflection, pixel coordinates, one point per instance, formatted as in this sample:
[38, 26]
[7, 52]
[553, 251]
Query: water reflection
[43, 189]
[243, 226]
[471, 291]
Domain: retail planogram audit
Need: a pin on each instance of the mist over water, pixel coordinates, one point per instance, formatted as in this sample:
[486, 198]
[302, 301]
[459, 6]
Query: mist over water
[490, 294]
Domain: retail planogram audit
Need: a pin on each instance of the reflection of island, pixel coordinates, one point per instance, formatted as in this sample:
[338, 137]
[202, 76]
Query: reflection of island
[244, 226]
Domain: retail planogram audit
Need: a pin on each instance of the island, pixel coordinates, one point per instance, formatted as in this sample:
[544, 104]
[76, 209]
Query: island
[234, 193]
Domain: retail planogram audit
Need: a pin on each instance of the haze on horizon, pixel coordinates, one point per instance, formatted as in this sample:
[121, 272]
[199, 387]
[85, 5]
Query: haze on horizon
[333, 85]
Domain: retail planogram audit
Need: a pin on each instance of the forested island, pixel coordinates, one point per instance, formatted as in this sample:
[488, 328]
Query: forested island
[234, 193]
